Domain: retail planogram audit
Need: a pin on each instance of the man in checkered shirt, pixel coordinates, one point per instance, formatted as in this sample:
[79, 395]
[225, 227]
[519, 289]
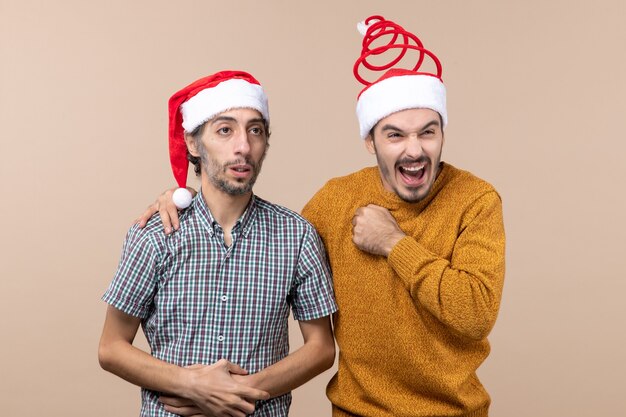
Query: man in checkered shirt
[214, 297]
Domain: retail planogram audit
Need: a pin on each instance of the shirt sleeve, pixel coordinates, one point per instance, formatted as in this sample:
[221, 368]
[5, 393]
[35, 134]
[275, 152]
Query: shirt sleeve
[135, 282]
[463, 293]
[313, 296]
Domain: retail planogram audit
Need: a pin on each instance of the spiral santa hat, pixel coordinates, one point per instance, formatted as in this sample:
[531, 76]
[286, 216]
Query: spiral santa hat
[398, 88]
[201, 101]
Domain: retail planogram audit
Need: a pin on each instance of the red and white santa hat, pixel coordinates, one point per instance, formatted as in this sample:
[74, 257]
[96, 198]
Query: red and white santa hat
[201, 101]
[397, 89]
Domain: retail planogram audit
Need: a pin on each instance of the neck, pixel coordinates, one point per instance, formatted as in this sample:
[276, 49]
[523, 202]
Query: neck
[225, 208]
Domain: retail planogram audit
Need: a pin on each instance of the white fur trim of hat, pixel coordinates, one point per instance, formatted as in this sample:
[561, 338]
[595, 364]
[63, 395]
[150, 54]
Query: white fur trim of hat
[227, 95]
[397, 93]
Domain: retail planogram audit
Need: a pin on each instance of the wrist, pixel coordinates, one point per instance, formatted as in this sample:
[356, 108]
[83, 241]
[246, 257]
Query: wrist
[393, 241]
[250, 380]
[184, 383]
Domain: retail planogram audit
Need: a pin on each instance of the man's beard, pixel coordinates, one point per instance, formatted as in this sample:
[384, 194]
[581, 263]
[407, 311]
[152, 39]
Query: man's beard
[215, 173]
[410, 196]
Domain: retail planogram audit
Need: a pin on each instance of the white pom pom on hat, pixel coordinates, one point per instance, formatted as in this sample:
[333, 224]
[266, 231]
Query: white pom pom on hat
[182, 198]
[362, 27]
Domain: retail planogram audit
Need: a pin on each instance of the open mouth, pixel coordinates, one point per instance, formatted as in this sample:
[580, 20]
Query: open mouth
[412, 175]
[241, 171]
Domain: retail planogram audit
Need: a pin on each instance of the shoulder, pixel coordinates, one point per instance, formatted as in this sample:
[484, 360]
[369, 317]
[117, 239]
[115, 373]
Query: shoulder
[340, 192]
[277, 214]
[355, 180]
[467, 195]
[144, 245]
[152, 234]
[465, 185]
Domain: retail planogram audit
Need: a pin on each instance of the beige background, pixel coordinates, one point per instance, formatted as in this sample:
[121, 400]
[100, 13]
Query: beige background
[536, 106]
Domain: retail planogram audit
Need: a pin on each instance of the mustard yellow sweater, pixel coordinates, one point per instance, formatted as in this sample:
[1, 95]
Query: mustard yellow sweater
[412, 328]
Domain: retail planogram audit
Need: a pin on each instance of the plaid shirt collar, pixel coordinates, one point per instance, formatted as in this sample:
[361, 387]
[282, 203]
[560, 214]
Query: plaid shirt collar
[243, 224]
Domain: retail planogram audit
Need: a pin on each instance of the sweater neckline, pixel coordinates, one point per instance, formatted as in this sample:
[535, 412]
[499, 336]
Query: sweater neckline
[391, 201]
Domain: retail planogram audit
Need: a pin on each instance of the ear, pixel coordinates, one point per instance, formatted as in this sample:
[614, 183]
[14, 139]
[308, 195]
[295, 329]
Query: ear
[369, 144]
[191, 145]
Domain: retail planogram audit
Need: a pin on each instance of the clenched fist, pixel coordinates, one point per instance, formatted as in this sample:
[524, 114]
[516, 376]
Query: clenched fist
[374, 230]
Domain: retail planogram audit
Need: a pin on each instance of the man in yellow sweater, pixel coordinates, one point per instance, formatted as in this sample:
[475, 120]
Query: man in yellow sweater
[417, 252]
[416, 248]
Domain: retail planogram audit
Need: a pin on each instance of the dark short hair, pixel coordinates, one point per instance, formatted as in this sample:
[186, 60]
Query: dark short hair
[195, 160]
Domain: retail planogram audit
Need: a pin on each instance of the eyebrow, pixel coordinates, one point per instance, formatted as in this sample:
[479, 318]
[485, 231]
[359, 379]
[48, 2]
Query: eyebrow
[257, 120]
[223, 119]
[397, 129]
[232, 119]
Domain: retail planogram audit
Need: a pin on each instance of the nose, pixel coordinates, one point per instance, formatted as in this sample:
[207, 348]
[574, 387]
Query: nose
[241, 143]
[414, 147]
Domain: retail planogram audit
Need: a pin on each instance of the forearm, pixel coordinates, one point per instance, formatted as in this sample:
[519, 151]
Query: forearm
[210, 387]
[465, 300]
[294, 370]
[142, 369]
[316, 355]
[464, 292]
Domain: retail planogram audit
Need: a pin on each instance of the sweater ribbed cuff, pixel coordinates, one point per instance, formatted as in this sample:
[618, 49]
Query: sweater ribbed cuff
[407, 257]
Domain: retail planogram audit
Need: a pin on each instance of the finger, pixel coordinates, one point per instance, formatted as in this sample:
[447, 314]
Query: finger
[176, 401]
[235, 369]
[243, 406]
[143, 219]
[163, 203]
[253, 394]
[172, 211]
[165, 219]
[183, 411]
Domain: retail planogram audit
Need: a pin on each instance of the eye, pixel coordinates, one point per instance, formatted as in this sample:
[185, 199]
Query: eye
[224, 130]
[257, 131]
[394, 135]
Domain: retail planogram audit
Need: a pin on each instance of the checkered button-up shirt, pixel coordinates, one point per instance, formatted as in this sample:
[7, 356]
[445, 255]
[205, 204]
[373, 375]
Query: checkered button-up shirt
[201, 301]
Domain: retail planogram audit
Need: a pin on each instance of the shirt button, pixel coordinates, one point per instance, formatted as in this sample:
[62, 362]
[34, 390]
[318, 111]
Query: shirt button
[224, 298]
[220, 338]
